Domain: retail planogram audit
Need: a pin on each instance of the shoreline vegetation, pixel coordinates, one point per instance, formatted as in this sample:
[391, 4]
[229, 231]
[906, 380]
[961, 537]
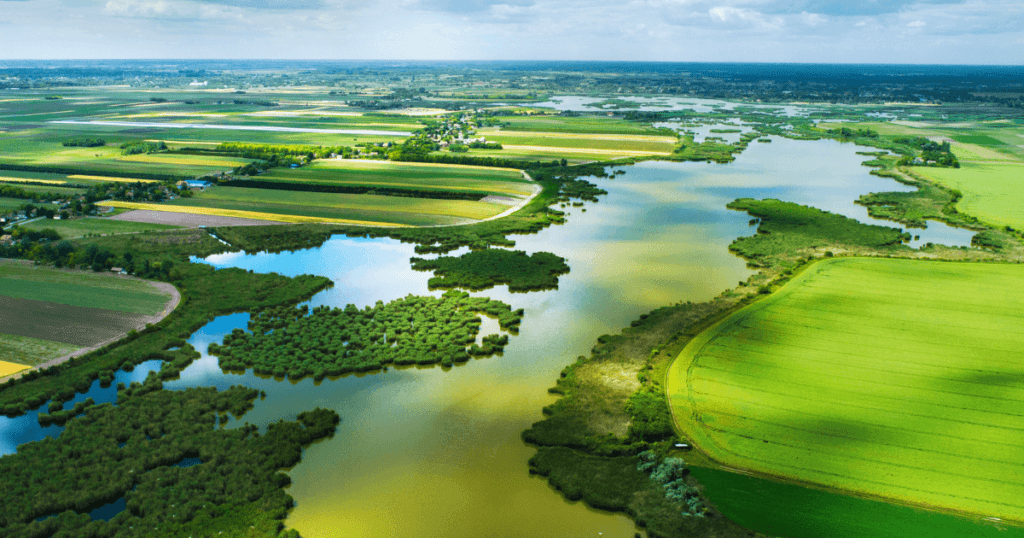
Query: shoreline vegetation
[592, 437]
[609, 440]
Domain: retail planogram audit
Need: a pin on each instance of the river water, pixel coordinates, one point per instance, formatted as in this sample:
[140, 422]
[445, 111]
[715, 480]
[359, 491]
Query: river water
[436, 452]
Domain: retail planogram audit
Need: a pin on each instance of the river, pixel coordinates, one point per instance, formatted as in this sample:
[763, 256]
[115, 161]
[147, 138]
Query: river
[436, 452]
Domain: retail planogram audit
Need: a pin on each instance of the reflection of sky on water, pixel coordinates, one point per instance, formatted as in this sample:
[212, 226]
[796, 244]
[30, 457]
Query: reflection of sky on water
[19, 430]
[659, 236]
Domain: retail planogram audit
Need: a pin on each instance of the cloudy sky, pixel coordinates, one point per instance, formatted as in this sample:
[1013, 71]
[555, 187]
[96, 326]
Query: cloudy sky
[858, 31]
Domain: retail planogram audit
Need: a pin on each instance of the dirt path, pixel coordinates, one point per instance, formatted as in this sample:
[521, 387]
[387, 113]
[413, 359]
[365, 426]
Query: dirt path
[162, 287]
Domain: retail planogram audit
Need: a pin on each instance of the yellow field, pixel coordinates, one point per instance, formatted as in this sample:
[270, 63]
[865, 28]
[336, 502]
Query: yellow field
[30, 180]
[274, 217]
[113, 179]
[8, 368]
[367, 163]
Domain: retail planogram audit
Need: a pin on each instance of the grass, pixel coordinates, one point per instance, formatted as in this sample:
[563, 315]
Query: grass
[979, 139]
[26, 352]
[69, 229]
[991, 190]
[336, 206]
[136, 302]
[242, 214]
[10, 204]
[188, 160]
[486, 180]
[76, 288]
[889, 378]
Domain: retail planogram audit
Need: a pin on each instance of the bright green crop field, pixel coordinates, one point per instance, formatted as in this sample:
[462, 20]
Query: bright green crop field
[993, 191]
[80, 289]
[497, 181]
[11, 204]
[70, 229]
[364, 207]
[892, 378]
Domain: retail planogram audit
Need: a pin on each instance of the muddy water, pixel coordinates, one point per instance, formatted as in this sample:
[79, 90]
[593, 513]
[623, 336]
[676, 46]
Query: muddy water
[436, 452]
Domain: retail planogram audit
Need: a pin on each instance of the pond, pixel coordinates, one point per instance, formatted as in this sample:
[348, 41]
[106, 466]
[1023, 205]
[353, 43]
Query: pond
[436, 452]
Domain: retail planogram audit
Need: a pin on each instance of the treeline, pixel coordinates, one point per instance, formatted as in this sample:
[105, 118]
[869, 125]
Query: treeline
[436, 194]
[846, 132]
[449, 158]
[253, 102]
[139, 147]
[266, 152]
[84, 143]
[483, 269]
[130, 452]
[297, 343]
[46, 247]
[13, 191]
[932, 153]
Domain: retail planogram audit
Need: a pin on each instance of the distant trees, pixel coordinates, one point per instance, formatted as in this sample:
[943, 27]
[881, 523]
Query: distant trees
[84, 142]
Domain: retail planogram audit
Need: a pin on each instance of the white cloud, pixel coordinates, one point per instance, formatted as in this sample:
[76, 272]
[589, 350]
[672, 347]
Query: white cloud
[162, 9]
[812, 19]
[917, 24]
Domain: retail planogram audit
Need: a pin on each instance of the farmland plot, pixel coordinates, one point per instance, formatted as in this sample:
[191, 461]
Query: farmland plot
[892, 378]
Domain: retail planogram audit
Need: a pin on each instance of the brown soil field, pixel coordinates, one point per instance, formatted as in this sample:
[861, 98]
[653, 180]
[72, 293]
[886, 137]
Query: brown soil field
[79, 326]
[187, 220]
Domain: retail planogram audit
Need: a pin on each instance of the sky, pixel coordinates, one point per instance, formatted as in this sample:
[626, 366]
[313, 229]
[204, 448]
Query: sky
[805, 31]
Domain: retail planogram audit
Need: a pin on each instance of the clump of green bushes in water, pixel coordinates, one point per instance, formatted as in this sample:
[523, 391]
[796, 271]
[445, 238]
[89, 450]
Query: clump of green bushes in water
[294, 342]
[131, 452]
[786, 227]
[484, 269]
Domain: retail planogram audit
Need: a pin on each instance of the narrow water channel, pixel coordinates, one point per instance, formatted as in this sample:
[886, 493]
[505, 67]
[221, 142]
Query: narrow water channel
[436, 452]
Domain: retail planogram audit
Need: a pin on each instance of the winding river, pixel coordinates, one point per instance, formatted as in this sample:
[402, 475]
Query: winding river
[436, 452]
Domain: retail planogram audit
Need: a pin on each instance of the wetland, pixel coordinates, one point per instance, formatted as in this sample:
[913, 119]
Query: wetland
[426, 450]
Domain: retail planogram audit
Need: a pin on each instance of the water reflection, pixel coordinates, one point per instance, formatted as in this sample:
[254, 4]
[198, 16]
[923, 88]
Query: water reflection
[436, 452]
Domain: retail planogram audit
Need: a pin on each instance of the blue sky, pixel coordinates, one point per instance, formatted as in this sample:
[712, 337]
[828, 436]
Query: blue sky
[871, 31]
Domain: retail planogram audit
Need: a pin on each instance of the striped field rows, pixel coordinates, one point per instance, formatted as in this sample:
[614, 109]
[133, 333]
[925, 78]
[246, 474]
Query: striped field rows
[892, 378]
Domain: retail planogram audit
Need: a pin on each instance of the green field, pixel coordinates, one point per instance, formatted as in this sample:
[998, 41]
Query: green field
[362, 207]
[992, 191]
[11, 204]
[69, 229]
[582, 124]
[30, 351]
[80, 289]
[498, 181]
[981, 140]
[890, 378]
